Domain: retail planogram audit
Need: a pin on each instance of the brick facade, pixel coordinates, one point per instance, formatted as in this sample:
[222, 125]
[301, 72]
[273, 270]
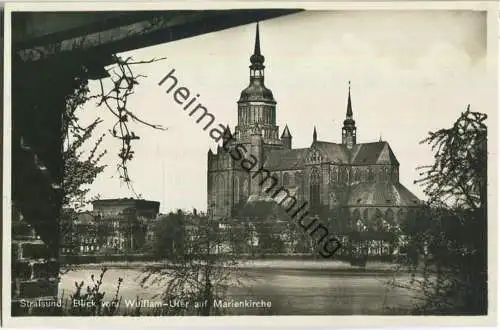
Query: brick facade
[34, 278]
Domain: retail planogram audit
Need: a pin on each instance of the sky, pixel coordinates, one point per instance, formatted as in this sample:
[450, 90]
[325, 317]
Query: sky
[411, 72]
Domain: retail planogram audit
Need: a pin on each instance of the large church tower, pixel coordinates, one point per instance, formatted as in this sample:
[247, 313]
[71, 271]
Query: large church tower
[229, 185]
[256, 127]
[256, 106]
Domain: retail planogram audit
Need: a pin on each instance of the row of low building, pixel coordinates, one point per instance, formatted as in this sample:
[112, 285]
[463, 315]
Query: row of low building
[121, 226]
[114, 226]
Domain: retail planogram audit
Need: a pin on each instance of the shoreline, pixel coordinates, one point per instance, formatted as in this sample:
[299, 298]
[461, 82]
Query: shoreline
[334, 266]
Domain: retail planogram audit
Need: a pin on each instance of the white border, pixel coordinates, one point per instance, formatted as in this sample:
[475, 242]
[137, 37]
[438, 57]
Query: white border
[257, 321]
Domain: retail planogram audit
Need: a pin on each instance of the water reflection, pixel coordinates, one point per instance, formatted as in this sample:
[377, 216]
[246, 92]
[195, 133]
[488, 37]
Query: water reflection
[291, 292]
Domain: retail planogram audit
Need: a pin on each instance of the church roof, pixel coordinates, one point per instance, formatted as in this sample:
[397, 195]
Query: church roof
[256, 91]
[333, 152]
[381, 193]
[287, 159]
[374, 153]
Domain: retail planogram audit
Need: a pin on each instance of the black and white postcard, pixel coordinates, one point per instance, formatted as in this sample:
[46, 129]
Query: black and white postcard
[328, 163]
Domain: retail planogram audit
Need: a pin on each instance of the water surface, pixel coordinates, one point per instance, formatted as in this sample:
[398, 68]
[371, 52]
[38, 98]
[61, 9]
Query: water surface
[307, 291]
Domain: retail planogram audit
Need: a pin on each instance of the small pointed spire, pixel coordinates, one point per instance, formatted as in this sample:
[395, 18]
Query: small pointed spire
[286, 133]
[227, 132]
[257, 59]
[257, 41]
[315, 135]
[380, 137]
[349, 105]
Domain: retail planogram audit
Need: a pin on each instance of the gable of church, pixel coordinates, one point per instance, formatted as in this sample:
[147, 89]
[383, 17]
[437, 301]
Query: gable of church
[332, 152]
[375, 153]
[314, 156]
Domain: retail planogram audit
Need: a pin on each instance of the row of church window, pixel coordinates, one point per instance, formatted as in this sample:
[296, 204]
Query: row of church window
[362, 174]
[238, 191]
[314, 192]
[344, 175]
[315, 156]
[336, 175]
[315, 181]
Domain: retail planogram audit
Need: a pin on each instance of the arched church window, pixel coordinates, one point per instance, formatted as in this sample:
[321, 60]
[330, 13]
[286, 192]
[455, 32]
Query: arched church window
[344, 177]
[362, 175]
[356, 216]
[365, 214]
[389, 216]
[380, 174]
[401, 215]
[357, 175]
[379, 222]
[245, 187]
[334, 175]
[298, 179]
[221, 191]
[315, 176]
[332, 200]
[370, 175]
[395, 174]
[314, 192]
[236, 190]
[315, 156]
[286, 179]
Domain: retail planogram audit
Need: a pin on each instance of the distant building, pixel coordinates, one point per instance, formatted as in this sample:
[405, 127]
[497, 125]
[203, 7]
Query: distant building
[114, 226]
[125, 224]
[79, 234]
[112, 207]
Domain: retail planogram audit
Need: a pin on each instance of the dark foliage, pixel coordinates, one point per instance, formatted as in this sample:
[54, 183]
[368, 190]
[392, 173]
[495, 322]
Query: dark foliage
[169, 235]
[450, 232]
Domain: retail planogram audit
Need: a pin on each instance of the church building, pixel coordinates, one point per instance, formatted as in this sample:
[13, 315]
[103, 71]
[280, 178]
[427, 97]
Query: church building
[358, 182]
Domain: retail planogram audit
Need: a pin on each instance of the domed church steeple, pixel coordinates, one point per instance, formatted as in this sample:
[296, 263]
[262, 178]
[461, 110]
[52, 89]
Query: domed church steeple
[256, 106]
[256, 91]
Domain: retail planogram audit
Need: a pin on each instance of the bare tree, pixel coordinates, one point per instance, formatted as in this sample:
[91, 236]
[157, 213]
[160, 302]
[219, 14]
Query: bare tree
[202, 273]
